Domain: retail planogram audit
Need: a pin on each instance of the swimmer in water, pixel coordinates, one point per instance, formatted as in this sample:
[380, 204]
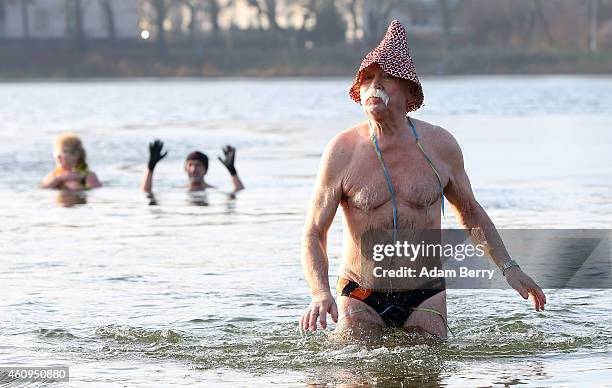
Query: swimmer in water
[71, 171]
[196, 167]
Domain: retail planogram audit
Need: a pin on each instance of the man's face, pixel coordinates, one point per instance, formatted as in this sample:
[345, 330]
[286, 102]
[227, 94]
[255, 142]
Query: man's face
[67, 158]
[195, 170]
[381, 92]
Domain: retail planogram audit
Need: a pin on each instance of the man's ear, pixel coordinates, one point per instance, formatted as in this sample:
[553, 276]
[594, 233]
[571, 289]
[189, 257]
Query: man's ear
[411, 91]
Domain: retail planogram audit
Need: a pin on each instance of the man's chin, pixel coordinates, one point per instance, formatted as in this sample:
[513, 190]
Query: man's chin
[377, 111]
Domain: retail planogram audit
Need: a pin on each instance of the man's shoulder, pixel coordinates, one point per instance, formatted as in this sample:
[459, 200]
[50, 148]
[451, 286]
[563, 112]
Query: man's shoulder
[436, 132]
[343, 143]
[339, 152]
[438, 137]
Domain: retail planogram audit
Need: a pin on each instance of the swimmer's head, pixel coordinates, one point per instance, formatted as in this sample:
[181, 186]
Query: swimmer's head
[196, 166]
[69, 152]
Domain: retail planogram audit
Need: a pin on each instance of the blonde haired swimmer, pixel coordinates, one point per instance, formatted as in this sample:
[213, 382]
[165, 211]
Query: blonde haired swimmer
[71, 171]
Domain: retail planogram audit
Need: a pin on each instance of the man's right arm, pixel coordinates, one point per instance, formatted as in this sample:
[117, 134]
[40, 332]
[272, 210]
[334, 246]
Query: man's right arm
[323, 205]
[228, 161]
[146, 184]
[155, 155]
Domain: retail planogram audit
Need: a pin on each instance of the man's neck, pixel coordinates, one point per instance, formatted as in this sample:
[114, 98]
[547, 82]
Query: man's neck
[389, 127]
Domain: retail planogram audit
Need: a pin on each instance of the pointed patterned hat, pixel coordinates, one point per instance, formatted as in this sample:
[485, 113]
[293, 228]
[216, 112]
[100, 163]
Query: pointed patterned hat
[393, 56]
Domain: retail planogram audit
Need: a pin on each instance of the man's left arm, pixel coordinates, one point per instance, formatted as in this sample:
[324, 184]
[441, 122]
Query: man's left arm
[230, 155]
[472, 216]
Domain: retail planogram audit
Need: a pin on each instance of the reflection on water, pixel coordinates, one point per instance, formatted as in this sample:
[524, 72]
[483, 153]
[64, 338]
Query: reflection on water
[208, 286]
[152, 200]
[198, 198]
[69, 198]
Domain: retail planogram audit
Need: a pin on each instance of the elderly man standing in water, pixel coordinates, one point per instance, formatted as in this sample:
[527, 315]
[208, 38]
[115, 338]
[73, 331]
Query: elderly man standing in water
[391, 167]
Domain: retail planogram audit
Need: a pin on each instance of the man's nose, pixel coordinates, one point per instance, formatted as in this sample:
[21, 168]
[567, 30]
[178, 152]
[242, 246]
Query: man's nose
[376, 83]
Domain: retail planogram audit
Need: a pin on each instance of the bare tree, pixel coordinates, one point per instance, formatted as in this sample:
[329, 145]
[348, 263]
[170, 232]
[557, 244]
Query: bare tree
[540, 14]
[532, 16]
[271, 14]
[260, 12]
[2, 14]
[194, 7]
[266, 9]
[109, 18]
[25, 17]
[74, 23]
[378, 18]
[308, 13]
[330, 27]
[160, 8]
[349, 7]
[78, 19]
[498, 23]
[594, 5]
[213, 9]
[448, 10]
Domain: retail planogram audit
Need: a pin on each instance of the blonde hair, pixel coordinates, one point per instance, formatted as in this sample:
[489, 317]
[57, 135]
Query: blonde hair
[71, 143]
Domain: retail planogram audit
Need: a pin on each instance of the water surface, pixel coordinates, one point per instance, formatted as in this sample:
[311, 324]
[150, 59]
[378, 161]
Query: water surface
[207, 289]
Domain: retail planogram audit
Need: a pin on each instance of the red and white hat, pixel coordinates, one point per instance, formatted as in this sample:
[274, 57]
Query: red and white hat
[393, 56]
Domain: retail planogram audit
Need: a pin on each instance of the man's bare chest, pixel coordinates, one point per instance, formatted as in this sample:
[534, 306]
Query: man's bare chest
[414, 181]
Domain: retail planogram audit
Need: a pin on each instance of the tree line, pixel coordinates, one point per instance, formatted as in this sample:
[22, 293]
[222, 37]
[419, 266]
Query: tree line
[303, 24]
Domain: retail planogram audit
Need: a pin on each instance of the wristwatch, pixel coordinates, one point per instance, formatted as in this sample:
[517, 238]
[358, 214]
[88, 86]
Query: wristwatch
[507, 265]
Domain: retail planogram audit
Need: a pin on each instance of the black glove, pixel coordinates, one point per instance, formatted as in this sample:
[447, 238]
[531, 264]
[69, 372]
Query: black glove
[228, 162]
[155, 153]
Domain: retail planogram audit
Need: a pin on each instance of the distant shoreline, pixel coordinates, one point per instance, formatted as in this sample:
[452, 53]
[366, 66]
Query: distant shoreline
[56, 63]
[231, 78]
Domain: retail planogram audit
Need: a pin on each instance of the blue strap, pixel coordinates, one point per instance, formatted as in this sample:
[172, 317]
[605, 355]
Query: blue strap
[433, 167]
[388, 178]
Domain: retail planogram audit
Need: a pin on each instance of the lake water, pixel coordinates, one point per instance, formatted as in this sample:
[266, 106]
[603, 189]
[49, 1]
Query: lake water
[207, 289]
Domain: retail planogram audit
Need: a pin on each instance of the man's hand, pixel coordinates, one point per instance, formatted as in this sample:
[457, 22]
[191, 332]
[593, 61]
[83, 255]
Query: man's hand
[319, 307]
[155, 153]
[525, 285]
[230, 156]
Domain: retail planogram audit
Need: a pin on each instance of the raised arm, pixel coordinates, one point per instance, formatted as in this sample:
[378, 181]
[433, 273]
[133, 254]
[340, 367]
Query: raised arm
[146, 184]
[228, 161]
[474, 218]
[155, 155]
[323, 205]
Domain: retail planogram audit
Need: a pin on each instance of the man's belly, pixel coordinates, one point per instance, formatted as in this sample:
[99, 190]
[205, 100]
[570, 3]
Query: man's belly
[364, 229]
